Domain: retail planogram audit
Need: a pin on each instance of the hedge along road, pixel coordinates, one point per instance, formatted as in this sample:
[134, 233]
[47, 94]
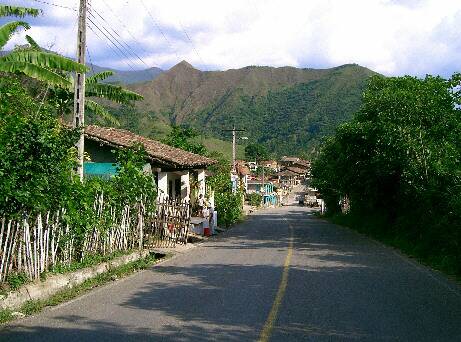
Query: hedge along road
[280, 276]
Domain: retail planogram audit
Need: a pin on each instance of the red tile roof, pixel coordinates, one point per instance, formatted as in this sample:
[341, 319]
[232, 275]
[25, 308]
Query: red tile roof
[157, 151]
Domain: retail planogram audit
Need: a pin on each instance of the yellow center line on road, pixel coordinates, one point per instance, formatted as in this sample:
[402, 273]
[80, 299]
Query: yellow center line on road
[269, 325]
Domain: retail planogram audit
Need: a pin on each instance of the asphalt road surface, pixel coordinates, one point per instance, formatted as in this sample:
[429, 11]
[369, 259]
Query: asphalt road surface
[282, 275]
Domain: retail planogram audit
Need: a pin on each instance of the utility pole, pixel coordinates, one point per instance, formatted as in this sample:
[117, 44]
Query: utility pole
[234, 138]
[233, 149]
[79, 90]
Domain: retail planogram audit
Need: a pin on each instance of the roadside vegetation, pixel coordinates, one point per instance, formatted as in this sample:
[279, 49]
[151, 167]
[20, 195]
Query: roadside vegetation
[398, 165]
[38, 187]
[227, 203]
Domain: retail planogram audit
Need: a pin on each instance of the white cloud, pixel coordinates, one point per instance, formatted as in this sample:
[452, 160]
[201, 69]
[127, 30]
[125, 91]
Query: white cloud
[389, 36]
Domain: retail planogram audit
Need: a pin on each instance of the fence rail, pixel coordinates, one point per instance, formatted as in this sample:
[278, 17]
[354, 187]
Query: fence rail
[34, 244]
[169, 225]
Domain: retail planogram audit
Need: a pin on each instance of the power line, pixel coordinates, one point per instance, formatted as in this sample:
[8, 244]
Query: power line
[116, 50]
[160, 30]
[126, 29]
[55, 5]
[89, 57]
[191, 43]
[111, 38]
[129, 49]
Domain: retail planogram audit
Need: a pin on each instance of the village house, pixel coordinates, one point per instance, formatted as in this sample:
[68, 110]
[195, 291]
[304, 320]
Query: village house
[241, 176]
[270, 164]
[174, 169]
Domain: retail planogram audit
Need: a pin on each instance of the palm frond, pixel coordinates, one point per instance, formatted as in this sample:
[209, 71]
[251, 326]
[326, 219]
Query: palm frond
[7, 30]
[16, 11]
[100, 111]
[35, 71]
[112, 92]
[44, 59]
[33, 44]
[98, 77]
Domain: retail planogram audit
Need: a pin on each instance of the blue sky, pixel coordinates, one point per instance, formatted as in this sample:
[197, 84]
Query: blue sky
[393, 37]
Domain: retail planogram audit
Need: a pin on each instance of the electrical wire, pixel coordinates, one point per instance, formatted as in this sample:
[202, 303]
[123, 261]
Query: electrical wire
[160, 30]
[126, 29]
[191, 42]
[122, 44]
[116, 50]
[54, 4]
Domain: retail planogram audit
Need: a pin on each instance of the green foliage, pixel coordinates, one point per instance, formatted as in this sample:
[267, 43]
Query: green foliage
[36, 152]
[228, 204]
[256, 152]
[399, 158]
[63, 98]
[229, 207]
[255, 199]
[8, 29]
[45, 66]
[16, 280]
[128, 188]
[292, 119]
[16, 11]
[132, 184]
[182, 137]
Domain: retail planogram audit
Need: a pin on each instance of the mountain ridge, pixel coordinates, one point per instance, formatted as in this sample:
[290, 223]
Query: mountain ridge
[286, 108]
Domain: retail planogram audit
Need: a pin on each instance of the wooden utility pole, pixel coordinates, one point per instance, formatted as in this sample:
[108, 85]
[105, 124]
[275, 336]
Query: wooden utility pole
[233, 149]
[79, 91]
[234, 138]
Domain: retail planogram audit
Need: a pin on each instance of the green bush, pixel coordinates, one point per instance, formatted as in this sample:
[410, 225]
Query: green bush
[254, 199]
[399, 160]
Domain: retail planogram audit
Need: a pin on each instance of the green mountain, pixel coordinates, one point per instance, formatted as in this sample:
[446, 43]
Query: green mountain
[288, 109]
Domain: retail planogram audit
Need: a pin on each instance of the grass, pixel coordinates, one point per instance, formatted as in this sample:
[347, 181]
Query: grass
[222, 146]
[374, 227]
[16, 280]
[34, 306]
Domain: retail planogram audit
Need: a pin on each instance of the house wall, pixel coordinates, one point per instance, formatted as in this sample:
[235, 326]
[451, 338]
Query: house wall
[174, 185]
[201, 181]
[99, 153]
[162, 184]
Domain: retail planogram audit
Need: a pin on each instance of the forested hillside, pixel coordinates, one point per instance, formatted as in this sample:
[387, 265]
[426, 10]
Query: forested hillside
[287, 109]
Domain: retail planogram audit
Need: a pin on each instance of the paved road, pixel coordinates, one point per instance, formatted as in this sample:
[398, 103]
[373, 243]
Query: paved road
[339, 286]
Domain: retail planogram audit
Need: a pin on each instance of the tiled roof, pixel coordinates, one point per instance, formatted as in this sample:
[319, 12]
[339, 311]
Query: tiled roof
[157, 151]
[286, 173]
[289, 159]
[297, 170]
[242, 170]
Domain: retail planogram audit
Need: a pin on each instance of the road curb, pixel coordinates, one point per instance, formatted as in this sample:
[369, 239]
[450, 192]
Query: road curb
[44, 289]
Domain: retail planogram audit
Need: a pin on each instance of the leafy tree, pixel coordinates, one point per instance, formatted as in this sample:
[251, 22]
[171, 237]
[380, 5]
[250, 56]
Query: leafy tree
[64, 97]
[182, 137]
[399, 158]
[256, 152]
[36, 156]
[44, 66]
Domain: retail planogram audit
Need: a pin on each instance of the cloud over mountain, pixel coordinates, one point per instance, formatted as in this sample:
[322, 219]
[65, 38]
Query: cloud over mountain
[390, 36]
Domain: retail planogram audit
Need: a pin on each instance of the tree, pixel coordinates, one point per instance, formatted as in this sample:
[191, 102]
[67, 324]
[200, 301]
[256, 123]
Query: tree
[399, 159]
[64, 97]
[44, 66]
[35, 152]
[182, 137]
[256, 152]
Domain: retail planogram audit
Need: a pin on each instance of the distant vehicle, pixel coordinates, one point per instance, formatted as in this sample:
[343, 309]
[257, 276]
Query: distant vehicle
[310, 198]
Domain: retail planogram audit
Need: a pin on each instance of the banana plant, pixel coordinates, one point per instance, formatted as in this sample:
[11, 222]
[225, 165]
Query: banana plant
[48, 67]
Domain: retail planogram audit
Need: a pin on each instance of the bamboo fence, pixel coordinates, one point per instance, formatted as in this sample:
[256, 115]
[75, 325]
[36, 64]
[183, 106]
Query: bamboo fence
[34, 244]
